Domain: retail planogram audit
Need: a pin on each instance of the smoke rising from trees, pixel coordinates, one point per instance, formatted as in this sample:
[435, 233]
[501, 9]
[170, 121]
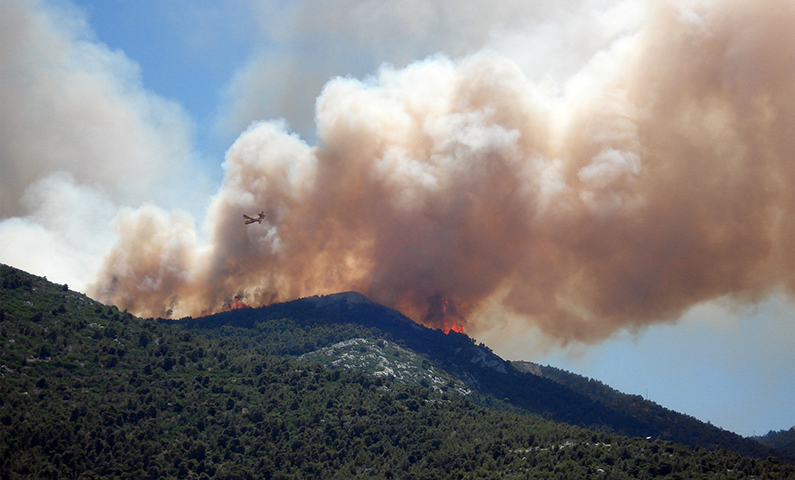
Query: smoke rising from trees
[660, 177]
[577, 167]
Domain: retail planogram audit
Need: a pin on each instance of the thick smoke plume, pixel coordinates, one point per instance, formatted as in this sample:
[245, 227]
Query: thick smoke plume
[661, 177]
[70, 105]
[79, 135]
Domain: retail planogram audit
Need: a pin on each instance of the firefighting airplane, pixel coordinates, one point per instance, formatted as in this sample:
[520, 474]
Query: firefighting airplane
[250, 220]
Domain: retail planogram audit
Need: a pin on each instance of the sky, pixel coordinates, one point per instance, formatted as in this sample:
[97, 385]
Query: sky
[605, 186]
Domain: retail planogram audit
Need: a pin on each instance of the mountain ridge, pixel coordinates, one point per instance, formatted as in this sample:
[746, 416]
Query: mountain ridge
[556, 394]
[90, 391]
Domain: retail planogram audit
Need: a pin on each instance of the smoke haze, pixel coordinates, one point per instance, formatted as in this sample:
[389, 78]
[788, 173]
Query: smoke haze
[578, 168]
[315, 40]
[79, 136]
[657, 177]
[78, 107]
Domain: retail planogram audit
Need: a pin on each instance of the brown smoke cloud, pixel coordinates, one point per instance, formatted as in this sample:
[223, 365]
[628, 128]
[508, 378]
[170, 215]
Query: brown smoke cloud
[661, 178]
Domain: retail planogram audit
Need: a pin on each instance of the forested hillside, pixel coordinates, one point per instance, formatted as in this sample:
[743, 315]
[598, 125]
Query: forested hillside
[305, 325]
[783, 440]
[88, 391]
[672, 424]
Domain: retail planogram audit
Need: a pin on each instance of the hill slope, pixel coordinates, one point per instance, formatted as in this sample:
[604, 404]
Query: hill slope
[88, 391]
[783, 440]
[672, 424]
[305, 325]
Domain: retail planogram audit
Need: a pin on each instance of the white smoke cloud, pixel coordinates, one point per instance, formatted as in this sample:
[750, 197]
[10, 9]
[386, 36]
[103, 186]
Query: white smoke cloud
[71, 104]
[65, 236]
[650, 183]
[78, 126]
[544, 162]
[303, 44]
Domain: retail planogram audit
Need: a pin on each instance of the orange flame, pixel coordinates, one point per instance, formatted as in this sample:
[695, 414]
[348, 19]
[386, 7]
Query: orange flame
[237, 303]
[450, 319]
[451, 326]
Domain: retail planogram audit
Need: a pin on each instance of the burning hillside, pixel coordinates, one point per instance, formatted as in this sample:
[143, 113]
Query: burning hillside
[235, 304]
[660, 177]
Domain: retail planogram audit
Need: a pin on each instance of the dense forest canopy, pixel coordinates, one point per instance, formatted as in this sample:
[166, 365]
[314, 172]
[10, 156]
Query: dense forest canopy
[305, 327]
[89, 391]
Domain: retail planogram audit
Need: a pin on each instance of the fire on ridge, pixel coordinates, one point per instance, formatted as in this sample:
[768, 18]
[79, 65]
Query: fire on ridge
[659, 180]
